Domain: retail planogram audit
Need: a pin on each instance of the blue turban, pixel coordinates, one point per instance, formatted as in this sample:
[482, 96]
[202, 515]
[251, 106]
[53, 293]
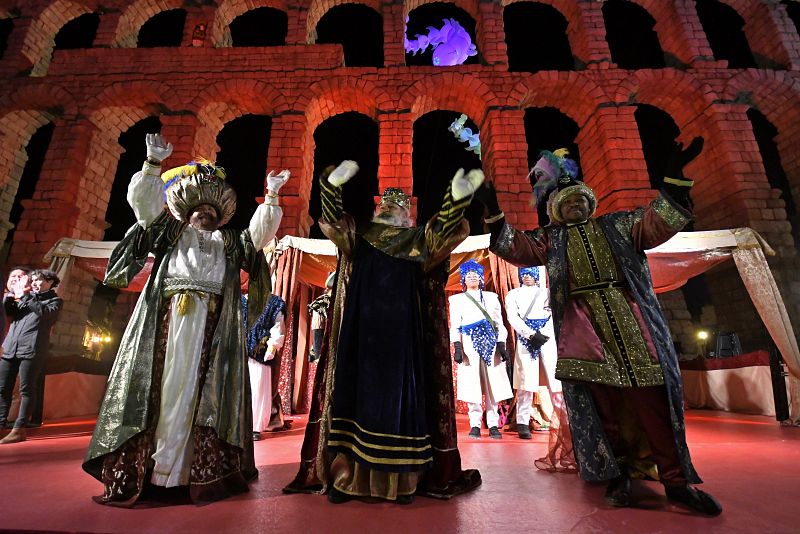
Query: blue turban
[471, 266]
[533, 271]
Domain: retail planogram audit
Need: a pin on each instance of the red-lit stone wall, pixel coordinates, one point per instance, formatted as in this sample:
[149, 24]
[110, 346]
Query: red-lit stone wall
[95, 94]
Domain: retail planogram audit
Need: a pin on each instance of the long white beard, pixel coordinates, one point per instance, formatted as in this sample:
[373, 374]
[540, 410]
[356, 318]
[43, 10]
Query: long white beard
[393, 220]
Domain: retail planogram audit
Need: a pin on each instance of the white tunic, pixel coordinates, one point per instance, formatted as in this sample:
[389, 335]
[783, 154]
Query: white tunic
[526, 369]
[261, 377]
[204, 265]
[464, 312]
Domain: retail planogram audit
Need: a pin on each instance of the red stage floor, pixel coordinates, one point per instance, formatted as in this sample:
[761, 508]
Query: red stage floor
[749, 463]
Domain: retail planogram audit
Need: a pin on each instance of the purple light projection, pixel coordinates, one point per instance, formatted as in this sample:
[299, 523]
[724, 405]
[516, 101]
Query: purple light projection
[451, 44]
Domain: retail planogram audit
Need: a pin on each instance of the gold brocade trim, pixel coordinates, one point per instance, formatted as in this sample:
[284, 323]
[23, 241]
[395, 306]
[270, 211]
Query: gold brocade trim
[360, 480]
[379, 447]
[214, 481]
[365, 493]
[669, 213]
[502, 247]
[364, 430]
[398, 242]
[624, 347]
[185, 302]
[590, 255]
[375, 460]
[606, 373]
[619, 331]
[321, 460]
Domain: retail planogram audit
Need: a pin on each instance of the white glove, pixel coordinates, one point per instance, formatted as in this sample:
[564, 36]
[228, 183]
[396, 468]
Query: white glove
[157, 147]
[276, 181]
[341, 174]
[464, 186]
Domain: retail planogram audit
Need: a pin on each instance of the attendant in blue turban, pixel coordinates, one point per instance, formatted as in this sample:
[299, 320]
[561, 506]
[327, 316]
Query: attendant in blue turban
[528, 311]
[479, 340]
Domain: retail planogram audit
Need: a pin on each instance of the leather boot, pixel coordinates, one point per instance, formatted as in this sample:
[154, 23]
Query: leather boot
[618, 492]
[15, 436]
[337, 497]
[693, 498]
[524, 431]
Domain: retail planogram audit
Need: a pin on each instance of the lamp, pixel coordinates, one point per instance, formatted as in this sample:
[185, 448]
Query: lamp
[95, 338]
[702, 339]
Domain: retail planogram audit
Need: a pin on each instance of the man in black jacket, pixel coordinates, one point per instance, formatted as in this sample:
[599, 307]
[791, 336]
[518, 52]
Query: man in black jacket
[25, 348]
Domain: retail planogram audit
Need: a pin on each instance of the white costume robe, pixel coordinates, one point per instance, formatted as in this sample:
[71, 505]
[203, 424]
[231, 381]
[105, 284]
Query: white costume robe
[261, 377]
[475, 378]
[526, 369]
[197, 261]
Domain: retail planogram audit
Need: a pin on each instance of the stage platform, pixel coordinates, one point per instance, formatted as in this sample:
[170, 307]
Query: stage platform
[750, 463]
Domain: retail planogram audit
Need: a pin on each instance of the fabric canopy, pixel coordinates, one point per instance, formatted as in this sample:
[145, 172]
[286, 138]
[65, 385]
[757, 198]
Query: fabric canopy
[686, 255]
[319, 258]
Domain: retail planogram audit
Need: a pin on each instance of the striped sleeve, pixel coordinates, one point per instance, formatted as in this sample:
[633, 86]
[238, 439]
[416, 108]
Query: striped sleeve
[332, 209]
[451, 213]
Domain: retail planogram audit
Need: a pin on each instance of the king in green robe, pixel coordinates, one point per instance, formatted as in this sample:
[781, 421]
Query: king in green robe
[177, 408]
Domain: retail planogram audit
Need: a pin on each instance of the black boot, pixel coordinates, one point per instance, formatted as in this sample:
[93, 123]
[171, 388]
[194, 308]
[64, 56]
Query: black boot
[474, 432]
[618, 492]
[494, 433]
[693, 498]
[524, 431]
[405, 499]
[337, 497]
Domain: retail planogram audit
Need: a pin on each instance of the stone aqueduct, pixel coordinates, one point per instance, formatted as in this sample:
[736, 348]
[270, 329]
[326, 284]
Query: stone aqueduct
[95, 94]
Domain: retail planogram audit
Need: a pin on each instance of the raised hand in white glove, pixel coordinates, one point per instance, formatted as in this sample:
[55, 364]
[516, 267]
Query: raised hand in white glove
[466, 185]
[157, 147]
[342, 174]
[276, 181]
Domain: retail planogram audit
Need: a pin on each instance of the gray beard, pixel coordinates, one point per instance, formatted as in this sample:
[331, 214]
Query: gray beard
[392, 220]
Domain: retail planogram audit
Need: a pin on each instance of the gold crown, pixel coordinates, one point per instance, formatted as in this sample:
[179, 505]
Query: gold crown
[396, 195]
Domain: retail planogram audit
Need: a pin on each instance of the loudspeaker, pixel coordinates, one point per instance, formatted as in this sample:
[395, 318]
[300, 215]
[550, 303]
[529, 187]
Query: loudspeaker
[728, 344]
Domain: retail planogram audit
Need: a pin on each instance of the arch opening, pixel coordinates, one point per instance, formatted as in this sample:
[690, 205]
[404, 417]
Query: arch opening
[536, 38]
[548, 128]
[631, 37]
[354, 136]
[435, 158]
[119, 215]
[765, 133]
[80, 32]
[244, 146]
[793, 10]
[724, 28]
[359, 29]
[263, 26]
[6, 27]
[36, 151]
[658, 132]
[163, 30]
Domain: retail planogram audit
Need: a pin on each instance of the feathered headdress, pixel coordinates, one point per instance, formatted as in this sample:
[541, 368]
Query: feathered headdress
[552, 166]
